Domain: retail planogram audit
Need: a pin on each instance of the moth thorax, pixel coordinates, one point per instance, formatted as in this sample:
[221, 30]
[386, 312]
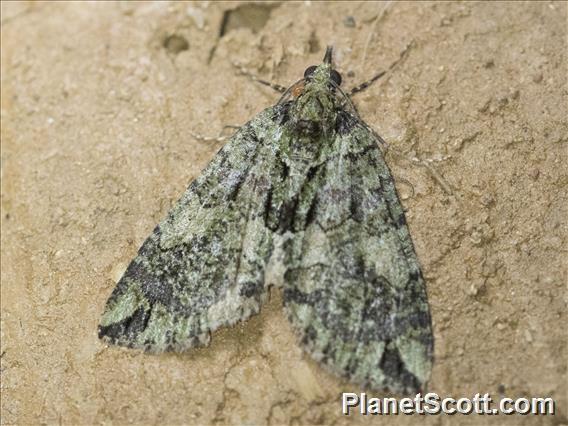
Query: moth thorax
[313, 113]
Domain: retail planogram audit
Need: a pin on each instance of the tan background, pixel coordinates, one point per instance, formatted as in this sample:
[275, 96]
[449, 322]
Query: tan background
[98, 101]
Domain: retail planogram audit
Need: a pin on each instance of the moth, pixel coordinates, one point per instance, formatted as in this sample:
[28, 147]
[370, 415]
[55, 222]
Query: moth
[301, 198]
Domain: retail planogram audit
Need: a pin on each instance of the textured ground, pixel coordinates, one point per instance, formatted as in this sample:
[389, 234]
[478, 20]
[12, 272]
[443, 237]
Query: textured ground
[98, 101]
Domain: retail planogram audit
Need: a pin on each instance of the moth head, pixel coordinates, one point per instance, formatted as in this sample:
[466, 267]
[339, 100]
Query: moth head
[316, 97]
[323, 73]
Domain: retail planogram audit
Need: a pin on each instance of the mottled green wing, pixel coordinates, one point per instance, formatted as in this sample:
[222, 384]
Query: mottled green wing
[354, 289]
[203, 266]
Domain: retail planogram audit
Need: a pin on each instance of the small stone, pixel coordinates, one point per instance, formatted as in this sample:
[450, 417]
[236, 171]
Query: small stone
[175, 44]
[197, 16]
[534, 174]
[349, 21]
[487, 200]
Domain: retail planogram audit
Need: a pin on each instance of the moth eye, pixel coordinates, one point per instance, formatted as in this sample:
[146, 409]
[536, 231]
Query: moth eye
[336, 77]
[309, 71]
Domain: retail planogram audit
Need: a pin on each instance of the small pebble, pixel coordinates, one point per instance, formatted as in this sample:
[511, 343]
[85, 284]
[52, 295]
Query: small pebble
[349, 21]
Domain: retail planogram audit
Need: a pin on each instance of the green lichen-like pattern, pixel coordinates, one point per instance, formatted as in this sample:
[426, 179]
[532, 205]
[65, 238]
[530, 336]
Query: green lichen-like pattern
[302, 189]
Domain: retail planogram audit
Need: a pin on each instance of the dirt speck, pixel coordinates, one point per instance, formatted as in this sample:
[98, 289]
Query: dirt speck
[253, 16]
[175, 44]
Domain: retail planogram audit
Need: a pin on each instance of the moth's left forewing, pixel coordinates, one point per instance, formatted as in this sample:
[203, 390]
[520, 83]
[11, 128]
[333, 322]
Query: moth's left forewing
[354, 289]
[203, 265]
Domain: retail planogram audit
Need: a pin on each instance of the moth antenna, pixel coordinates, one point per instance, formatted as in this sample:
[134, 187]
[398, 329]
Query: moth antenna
[328, 53]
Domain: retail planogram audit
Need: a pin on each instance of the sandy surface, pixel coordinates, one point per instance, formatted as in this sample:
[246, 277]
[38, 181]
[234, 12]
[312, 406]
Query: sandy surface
[98, 101]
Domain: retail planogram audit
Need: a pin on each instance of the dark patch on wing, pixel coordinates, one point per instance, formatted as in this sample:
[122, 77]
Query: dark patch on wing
[312, 211]
[345, 122]
[282, 113]
[128, 327]
[293, 294]
[287, 214]
[268, 207]
[414, 276]
[149, 245]
[154, 290]
[251, 288]
[393, 366]
[357, 155]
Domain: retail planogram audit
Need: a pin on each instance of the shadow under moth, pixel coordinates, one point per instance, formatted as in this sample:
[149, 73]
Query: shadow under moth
[301, 192]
